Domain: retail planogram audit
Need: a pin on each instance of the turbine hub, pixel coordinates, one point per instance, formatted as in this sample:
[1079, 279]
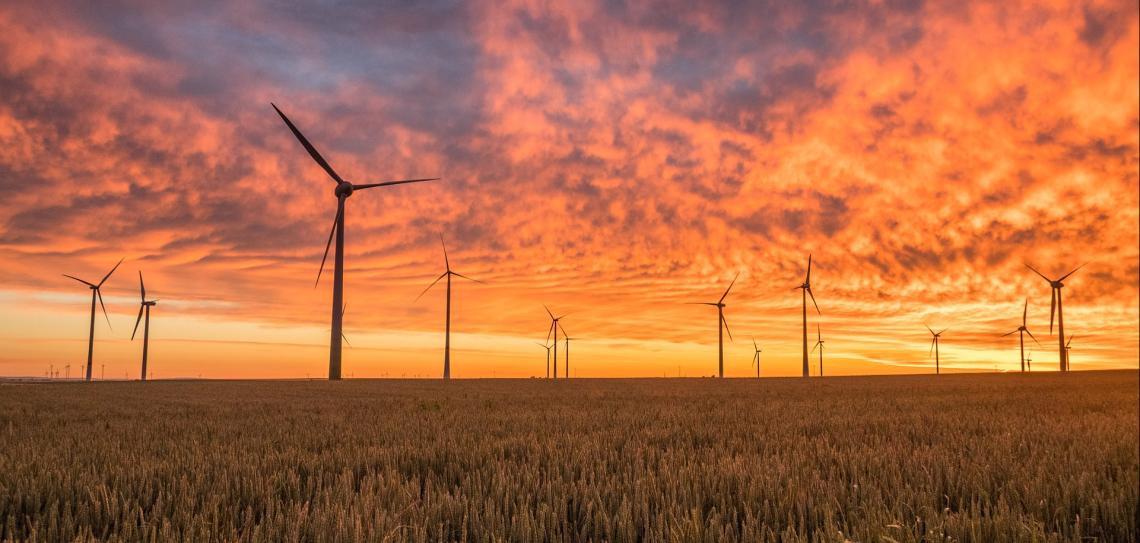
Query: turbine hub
[1058, 284]
[343, 189]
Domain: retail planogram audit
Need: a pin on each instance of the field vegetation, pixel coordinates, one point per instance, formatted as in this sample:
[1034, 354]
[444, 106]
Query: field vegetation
[1040, 457]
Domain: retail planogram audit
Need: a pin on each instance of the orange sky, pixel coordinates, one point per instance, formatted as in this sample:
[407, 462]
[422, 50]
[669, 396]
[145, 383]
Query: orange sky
[613, 161]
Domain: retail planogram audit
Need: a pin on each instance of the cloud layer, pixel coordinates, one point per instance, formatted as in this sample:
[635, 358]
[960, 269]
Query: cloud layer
[615, 160]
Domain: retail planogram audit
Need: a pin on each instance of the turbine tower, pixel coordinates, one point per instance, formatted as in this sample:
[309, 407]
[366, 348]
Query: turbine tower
[554, 326]
[721, 325]
[756, 357]
[95, 294]
[1021, 331]
[806, 287]
[566, 339]
[547, 347]
[447, 321]
[937, 339]
[1056, 307]
[144, 307]
[819, 344]
[343, 190]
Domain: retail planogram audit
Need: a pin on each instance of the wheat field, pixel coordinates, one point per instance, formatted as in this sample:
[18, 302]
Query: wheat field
[1041, 457]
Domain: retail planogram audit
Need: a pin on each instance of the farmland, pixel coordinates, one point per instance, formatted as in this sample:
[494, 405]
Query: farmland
[1040, 457]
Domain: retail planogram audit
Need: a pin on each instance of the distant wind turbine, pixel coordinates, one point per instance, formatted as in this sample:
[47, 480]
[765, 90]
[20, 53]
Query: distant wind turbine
[547, 347]
[934, 343]
[721, 325]
[819, 344]
[756, 357]
[1021, 331]
[1029, 361]
[806, 287]
[566, 339]
[1056, 307]
[1068, 347]
[95, 294]
[447, 321]
[343, 190]
[554, 326]
[144, 307]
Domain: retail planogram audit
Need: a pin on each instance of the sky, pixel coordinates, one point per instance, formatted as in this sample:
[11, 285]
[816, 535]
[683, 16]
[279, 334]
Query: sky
[613, 161]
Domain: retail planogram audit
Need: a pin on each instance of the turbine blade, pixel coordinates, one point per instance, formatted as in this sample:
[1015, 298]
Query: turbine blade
[141, 307]
[1025, 312]
[942, 331]
[308, 146]
[818, 333]
[441, 276]
[99, 294]
[1052, 309]
[814, 347]
[1070, 342]
[446, 262]
[807, 278]
[701, 303]
[931, 348]
[1063, 277]
[564, 334]
[78, 279]
[754, 346]
[105, 277]
[729, 287]
[142, 289]
[549, 330]
[928, 327]
[726, 329]
[468, 278]
[1031, 335]
[813, 300]
[328, 244]
[548, 311]
[1011, 333]
[1038, 273]
[388, 183]
[345, 338]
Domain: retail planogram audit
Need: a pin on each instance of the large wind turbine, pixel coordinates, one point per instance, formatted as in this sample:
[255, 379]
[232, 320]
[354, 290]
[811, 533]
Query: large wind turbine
[95, 294]
[806, 287]
[343, 190]
[756, 357]
[934, 348]
[447, 323]
[144, 307]
[554, 326]
[547, 347]
[819, 344]
[721, 325]
[1056, 307]
[1021, 331]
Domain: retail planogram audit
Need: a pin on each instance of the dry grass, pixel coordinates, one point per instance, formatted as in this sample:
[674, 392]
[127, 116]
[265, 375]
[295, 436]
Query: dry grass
[1043, 457]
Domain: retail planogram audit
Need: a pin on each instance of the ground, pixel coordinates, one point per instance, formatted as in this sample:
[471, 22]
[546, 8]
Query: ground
[1040, 457]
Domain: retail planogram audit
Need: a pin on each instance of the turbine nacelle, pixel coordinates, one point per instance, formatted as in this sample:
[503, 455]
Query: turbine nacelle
[343, 189]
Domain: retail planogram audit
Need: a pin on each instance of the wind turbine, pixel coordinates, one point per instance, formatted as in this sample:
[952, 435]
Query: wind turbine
[447, 322]
[934, 348]
[1021, 331]
[1068, 347]
[1029, 361]
[756, 357]
[144, 307]
[820, 345]
[806, 287]
[1056, 307]
[567, 339]
[554, 326]
[721, 325]
[95, 294]
[343, 190]
[547, 347]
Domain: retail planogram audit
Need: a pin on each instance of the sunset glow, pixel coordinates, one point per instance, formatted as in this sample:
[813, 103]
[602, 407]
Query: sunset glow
[610, 162]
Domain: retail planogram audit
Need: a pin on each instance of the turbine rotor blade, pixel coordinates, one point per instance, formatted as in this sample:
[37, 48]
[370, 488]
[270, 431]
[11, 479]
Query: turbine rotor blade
[1031, 335]
[928, 327]
[345, 338]
[754, 346]
[807, 278]
[726, 329]
[105, 277]
[441, 276]
[308, 146]
[446, 262]
[141, 307]
[932, 342]
[328, 245]
[142, 289]
[548, 311]
[1052, 309]
[813, 300]
[389, 183]
[78, 279]
[1063, 277]
[1038, 273]
[1070, 342]
[729, 287]
[1011, 333]
[99, 295]
[469, 279]
[1025, 312]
